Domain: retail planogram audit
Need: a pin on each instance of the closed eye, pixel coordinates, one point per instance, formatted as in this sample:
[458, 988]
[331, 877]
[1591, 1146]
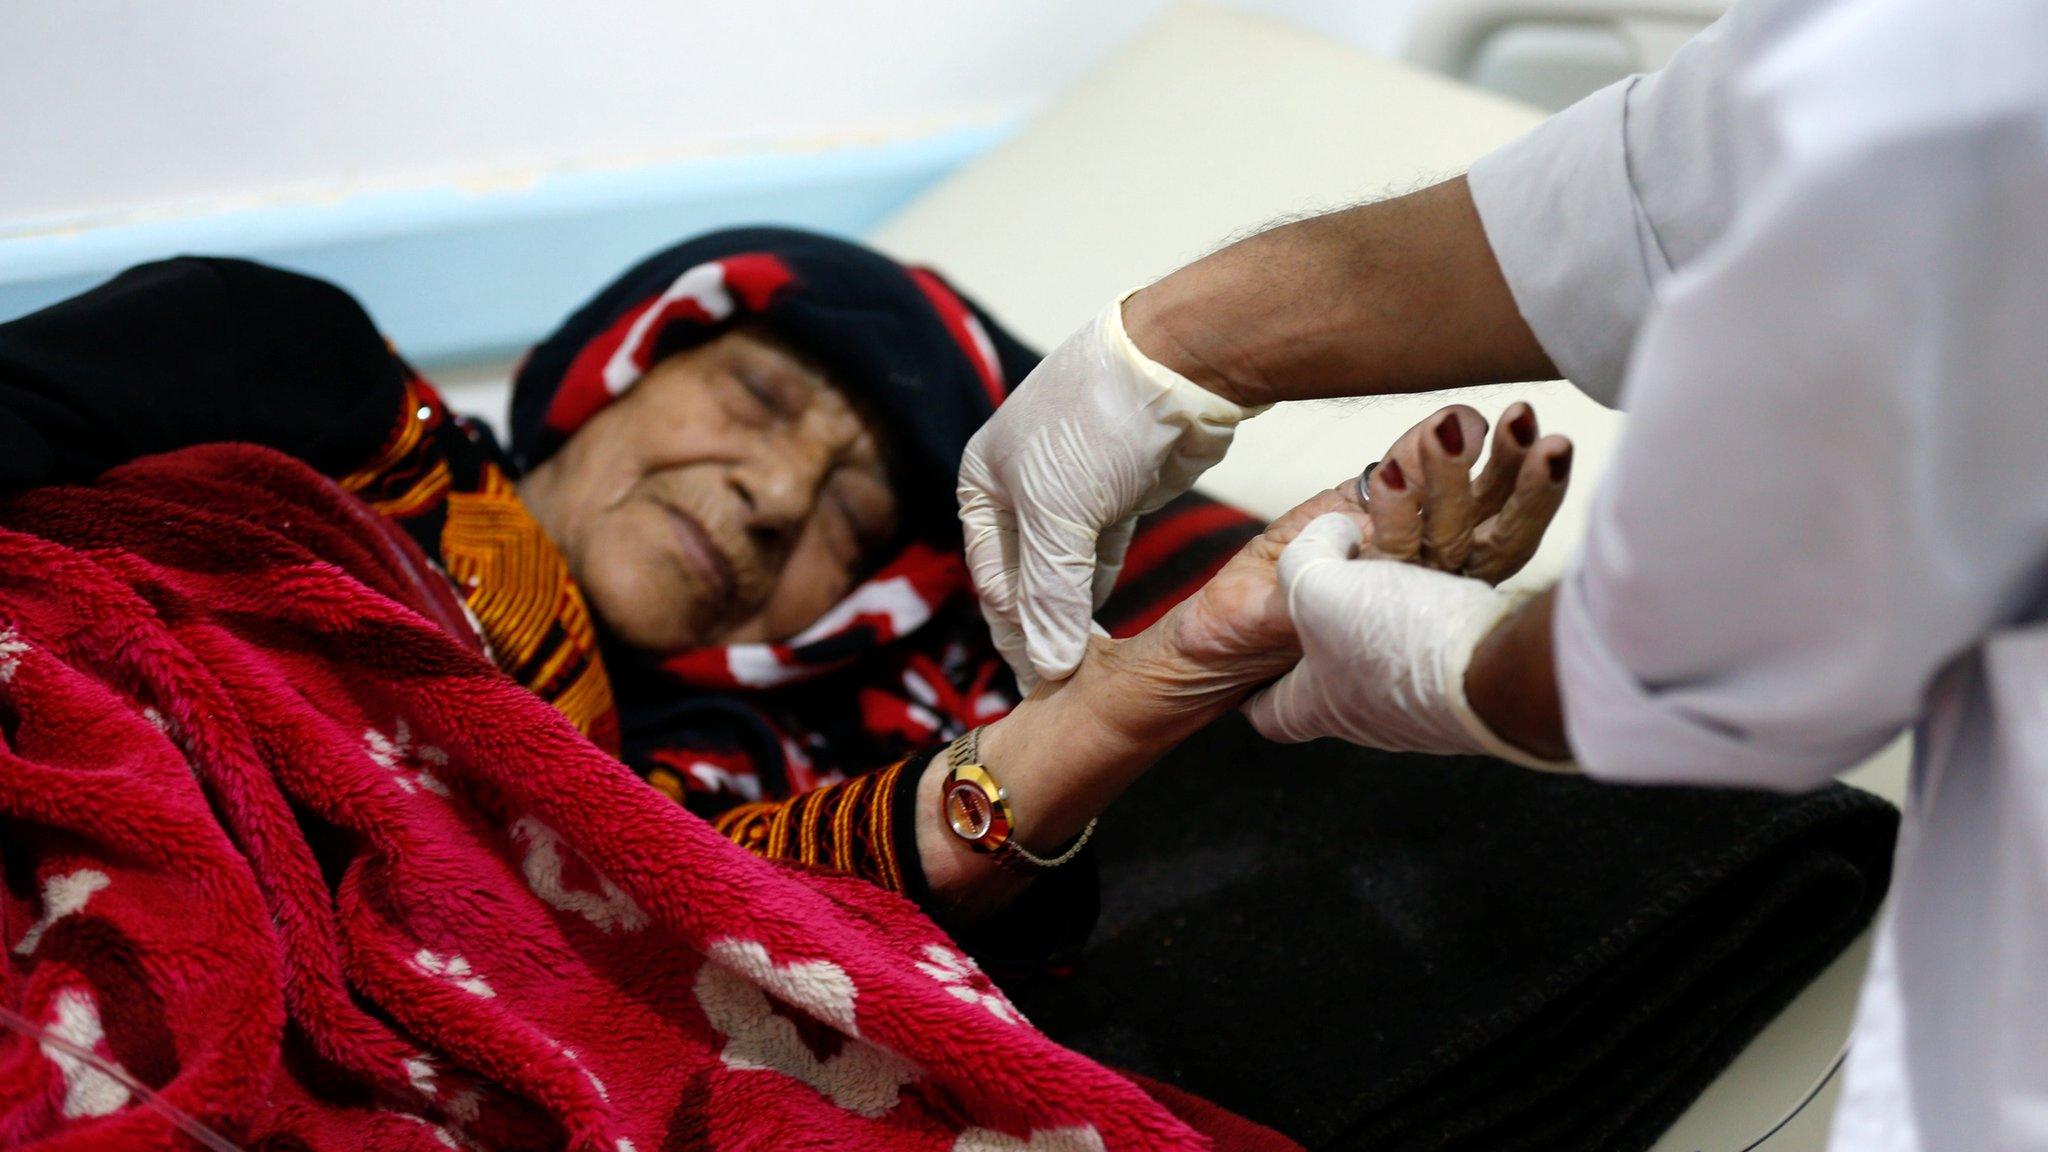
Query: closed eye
[755, 401]
[869, 520]
[760, 392]
[856, 536]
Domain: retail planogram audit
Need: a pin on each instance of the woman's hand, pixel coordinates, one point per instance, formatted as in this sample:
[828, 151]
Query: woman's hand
[1428, 508]
[1237, 623]
[1425, 508]
[1069, 748]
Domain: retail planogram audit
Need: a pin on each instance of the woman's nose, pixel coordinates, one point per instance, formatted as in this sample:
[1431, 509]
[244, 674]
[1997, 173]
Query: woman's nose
[780, 490]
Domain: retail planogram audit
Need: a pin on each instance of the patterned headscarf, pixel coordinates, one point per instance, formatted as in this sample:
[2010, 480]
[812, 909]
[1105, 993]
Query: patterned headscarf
[903, 660]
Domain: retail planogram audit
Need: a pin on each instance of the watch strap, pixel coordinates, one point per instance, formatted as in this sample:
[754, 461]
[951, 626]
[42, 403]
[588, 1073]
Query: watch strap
[963, 757]
[1013, 850]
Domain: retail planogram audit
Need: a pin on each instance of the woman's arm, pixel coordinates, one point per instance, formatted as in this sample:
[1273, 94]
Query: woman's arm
[1074, 745]
[1066, 752]
[1062, 754]
[193, 351]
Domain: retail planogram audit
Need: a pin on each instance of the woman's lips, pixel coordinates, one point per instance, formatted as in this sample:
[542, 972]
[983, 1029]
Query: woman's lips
[701, 555]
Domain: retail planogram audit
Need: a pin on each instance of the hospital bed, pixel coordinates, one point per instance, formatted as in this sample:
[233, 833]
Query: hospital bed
[1208, 125]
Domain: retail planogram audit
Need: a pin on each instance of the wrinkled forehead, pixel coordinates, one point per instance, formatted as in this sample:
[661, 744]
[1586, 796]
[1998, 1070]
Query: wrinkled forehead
[835, 385]
[757, 346]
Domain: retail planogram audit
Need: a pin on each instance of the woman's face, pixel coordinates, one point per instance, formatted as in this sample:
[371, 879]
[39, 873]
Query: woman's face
[733, 494]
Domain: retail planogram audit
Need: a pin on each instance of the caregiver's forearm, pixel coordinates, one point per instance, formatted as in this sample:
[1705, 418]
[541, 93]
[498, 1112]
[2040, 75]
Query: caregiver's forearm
[1403, 295]
[1512, 681]
[1070, 749]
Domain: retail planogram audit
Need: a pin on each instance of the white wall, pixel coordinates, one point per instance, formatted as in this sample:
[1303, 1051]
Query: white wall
[110, 108]
[106, 105]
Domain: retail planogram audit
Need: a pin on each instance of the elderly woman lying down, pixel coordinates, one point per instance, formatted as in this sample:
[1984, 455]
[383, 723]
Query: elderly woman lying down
[722, 542]
[296, 852]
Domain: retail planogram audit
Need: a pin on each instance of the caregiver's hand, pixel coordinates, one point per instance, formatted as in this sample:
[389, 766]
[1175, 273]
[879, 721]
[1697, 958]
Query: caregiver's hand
[1385, 640]
[1052, 485]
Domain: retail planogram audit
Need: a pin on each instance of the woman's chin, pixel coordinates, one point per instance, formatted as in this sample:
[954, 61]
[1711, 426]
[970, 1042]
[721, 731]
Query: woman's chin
[653, 637]
[652, 620]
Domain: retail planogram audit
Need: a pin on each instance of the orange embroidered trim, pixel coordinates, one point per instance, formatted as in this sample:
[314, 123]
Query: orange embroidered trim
[847, 827]
[517, 583]
[509, 573]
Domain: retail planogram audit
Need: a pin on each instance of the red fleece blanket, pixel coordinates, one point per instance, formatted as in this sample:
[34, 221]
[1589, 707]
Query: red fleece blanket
[284, 859]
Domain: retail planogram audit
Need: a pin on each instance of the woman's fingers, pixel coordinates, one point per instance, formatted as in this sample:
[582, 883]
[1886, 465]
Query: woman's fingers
[1449, 447]
[1512, 438]
[1506, 541]
[1423, 506]
[1393, 500]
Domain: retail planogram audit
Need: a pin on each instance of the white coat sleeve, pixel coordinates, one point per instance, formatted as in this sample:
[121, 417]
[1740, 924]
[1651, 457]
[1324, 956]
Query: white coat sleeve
[1831, 486]
[1595, 208]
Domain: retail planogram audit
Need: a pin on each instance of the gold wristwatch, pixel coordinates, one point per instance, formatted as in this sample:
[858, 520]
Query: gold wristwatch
[977, 809]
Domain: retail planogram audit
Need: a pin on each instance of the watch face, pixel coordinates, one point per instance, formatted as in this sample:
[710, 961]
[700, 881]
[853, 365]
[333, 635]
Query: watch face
[968, 810]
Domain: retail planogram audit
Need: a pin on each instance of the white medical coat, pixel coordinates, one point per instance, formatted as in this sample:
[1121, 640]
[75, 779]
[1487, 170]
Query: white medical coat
[1811, 258]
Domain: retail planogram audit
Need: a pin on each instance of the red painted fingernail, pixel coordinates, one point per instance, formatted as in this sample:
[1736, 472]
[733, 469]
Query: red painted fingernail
[1561, 466]
[1451, 435]
[1392, 475]
[1523, 428]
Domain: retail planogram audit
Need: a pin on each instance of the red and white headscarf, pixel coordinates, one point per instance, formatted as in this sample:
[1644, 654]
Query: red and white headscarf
[903, 660]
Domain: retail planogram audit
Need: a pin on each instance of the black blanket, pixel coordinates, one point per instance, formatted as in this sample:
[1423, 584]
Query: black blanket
[1395, 952]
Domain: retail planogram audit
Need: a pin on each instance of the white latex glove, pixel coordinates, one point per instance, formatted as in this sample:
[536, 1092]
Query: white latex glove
[1385, 645]
[1052, 486]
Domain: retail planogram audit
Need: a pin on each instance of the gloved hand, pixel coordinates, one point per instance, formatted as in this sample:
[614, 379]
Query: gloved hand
[1385, 646]
[1052, 486]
